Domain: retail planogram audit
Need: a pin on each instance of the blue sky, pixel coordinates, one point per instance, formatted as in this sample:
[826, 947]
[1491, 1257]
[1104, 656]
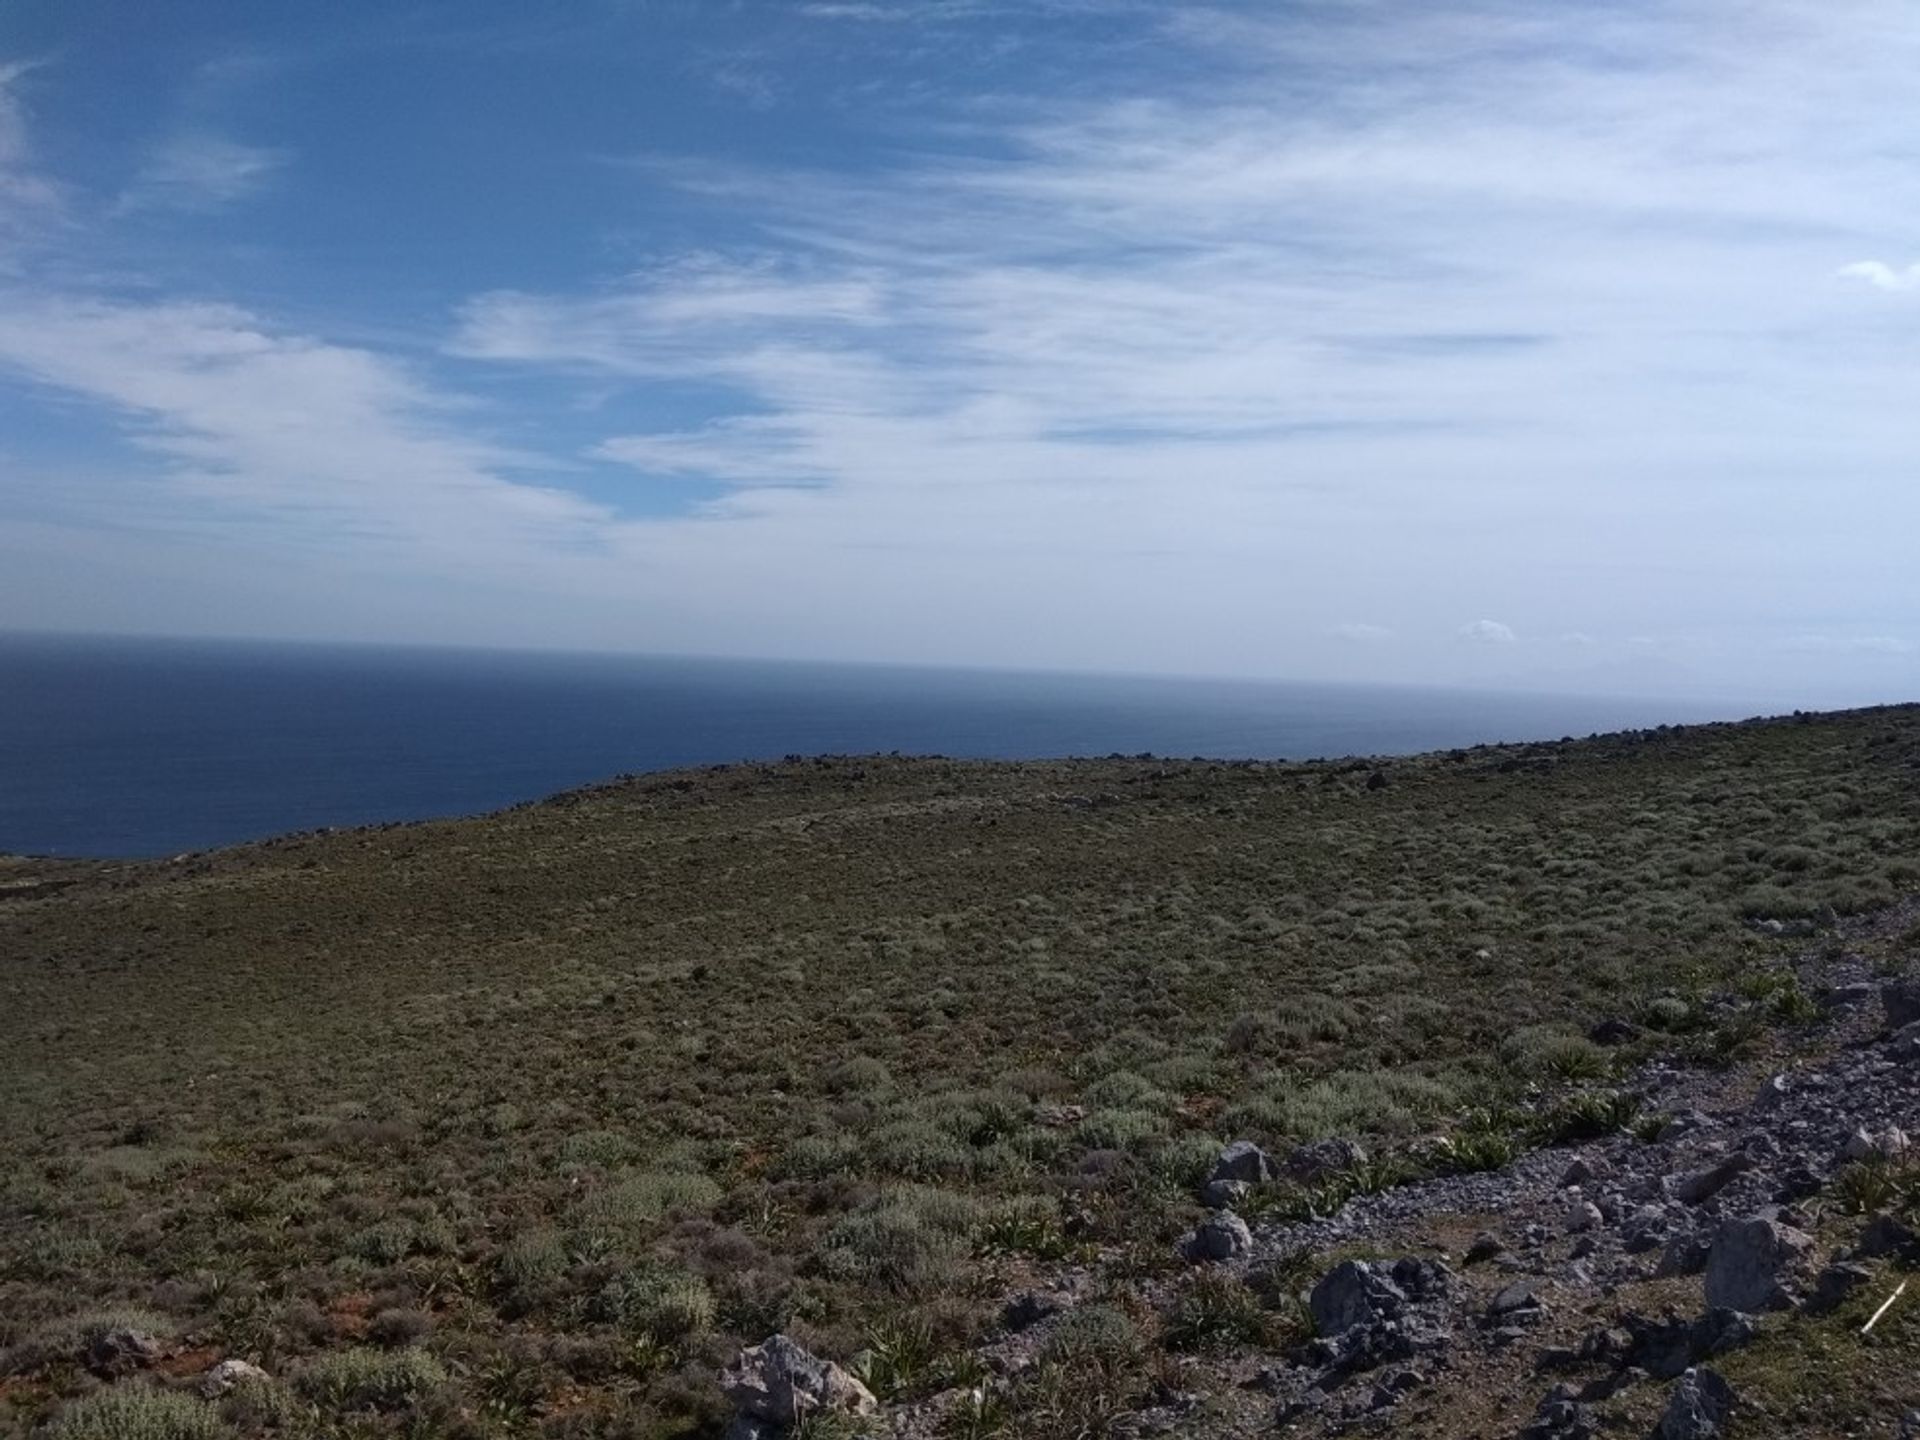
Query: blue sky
[1564, 346]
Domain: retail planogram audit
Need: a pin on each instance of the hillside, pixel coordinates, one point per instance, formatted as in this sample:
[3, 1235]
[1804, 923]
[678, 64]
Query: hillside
[528, 1123]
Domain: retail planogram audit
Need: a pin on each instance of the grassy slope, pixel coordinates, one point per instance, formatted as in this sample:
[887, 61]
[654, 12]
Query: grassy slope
[659, 1066]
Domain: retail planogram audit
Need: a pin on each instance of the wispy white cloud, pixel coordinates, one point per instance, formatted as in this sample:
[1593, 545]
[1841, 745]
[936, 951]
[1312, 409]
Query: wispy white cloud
[1386, 285]
[1362, 633]
[197, 170]
[316, 443]
[29, 201]
[1815, 643]
[1881, 275]
[1358, 309]
[1488, 632]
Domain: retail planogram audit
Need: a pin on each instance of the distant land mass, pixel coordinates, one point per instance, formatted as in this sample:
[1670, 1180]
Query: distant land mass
[121, 747]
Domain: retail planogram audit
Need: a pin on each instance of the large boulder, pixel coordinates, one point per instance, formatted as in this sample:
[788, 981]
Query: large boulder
[1752, 1263]
[1698, 1408]
[1243, 1161]
[781, 1383]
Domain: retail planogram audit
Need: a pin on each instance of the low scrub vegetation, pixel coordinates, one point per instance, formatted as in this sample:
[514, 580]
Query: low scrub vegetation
[528, 1122]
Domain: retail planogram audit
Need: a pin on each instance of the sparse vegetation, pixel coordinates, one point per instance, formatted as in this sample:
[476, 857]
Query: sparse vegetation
[526, 1123]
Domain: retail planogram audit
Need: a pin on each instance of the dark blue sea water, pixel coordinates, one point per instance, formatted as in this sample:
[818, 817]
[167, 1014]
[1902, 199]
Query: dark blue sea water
[151, 747]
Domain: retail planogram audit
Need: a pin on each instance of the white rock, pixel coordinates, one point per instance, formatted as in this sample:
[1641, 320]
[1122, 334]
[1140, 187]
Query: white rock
[227, 1374]
[1582, 1215]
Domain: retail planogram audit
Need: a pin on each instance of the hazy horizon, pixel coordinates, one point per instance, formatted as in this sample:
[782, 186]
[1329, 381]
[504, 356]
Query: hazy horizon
[1491, 348]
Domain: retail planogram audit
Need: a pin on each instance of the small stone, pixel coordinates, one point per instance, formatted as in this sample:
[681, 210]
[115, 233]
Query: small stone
[1849, 997]
[1905, 1044]
[1485, 1246]
[1702, 1185]
[1393, 1385]
[1772, 1094]
[1902, 1001]
[1718, 1331]
[1520, 1295]
[1028, 1309]
[1243, 1161]
[1865, 1144]
[1559, 1416]
[1698, 1409]
[1581, 1216]
[1833, 1285]
[1225, 1194]
[229, 1373]
[1885, 1235]
[1614, 1031]
[1685, 1254]
[1750, 1262]
[1221, 1236]
[1578, 1172]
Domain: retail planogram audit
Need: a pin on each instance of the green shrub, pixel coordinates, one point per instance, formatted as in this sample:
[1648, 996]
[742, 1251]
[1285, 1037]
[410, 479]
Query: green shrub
[365, 1379]
[390, 1241]
[1587, 1116]
[532, 1260]
[1124, 1090]
[630, 1207]
[1024, 1225]
[1121, 1129]
[913, 1150]
[1186, 1159]
[911, 1241]
[138, 1412]
[1214, 1309]
[1096, 1332]
[598, 1147]
[666, 1305]
[1668, 1013]
[861, 1075]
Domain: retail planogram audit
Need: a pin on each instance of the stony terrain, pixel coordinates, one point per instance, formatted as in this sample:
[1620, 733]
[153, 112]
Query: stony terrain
[1543, 1090]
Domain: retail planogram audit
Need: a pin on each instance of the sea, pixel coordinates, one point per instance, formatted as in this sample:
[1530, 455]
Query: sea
[130, 748]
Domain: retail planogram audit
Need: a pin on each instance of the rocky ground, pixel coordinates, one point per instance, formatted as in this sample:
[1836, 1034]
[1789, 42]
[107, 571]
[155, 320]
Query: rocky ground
[1595, 1288]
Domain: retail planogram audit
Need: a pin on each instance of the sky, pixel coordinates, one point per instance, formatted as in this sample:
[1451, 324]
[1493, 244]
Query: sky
[1561, 346]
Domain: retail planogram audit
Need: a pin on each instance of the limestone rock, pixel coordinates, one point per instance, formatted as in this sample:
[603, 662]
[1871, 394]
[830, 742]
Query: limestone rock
[1353, 1293]
[1221, 1236]
[780, 1382]
[1901, 998]
[1224, 1194]
[1865, 1144]
[1308, 1164]
[1581, 1216]
[1698, 1409]
[1751, 1262]
[1701, 1185]
[119, 1350]
[1243, 1161]
[229, 1373]
[1833, 1284]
